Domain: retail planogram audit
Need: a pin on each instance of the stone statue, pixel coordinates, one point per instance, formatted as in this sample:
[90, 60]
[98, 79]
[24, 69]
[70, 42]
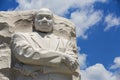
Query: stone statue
[42, 55]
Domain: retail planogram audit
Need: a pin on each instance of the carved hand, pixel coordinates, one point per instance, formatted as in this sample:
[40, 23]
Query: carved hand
[71, 62]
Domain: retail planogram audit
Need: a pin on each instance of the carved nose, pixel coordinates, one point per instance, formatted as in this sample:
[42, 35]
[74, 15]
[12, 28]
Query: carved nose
[44, 19]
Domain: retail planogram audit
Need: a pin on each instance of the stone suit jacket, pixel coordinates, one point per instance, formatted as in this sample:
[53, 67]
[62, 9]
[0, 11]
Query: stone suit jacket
[31, 48]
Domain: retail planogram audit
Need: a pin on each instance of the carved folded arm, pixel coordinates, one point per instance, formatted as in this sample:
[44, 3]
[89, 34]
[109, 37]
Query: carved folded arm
[27, 54]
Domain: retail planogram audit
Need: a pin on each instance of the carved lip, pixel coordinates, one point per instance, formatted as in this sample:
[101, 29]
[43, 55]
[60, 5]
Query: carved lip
[45, 27]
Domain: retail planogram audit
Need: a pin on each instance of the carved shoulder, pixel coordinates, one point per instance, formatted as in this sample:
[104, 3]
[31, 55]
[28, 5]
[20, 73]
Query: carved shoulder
[18, 35]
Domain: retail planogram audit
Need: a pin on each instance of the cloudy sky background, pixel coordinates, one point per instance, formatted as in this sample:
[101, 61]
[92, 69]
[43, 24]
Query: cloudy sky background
[98, 32]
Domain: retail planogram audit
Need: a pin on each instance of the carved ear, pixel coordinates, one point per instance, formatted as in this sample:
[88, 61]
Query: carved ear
[34, 15]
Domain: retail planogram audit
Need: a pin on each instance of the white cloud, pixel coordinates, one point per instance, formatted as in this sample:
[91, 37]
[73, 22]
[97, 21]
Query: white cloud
[84, 19]
[116, 67]
[82, 60]
[94, 72]
[58, 6]
[83, 3]
[116, 63]
[97, 72]
[112, 21]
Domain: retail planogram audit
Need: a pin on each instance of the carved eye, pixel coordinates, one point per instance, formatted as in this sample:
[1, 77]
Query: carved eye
[48, 17]
[40, 17]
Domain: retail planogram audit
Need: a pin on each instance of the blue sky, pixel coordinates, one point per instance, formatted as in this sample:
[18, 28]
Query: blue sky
[102, 46]
[98, 32]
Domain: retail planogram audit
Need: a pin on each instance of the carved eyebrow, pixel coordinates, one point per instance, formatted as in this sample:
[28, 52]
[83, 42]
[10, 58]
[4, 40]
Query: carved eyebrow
[44, 14]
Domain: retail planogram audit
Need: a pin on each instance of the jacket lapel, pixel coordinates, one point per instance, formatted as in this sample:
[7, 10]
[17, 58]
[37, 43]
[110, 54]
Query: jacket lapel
[51, 44]
[54, 42]
[38, 40]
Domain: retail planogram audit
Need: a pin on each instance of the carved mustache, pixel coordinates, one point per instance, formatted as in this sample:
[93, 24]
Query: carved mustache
[44, 23]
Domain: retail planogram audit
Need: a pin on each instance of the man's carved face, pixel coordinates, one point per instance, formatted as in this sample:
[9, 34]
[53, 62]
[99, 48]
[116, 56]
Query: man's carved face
[44, 20]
